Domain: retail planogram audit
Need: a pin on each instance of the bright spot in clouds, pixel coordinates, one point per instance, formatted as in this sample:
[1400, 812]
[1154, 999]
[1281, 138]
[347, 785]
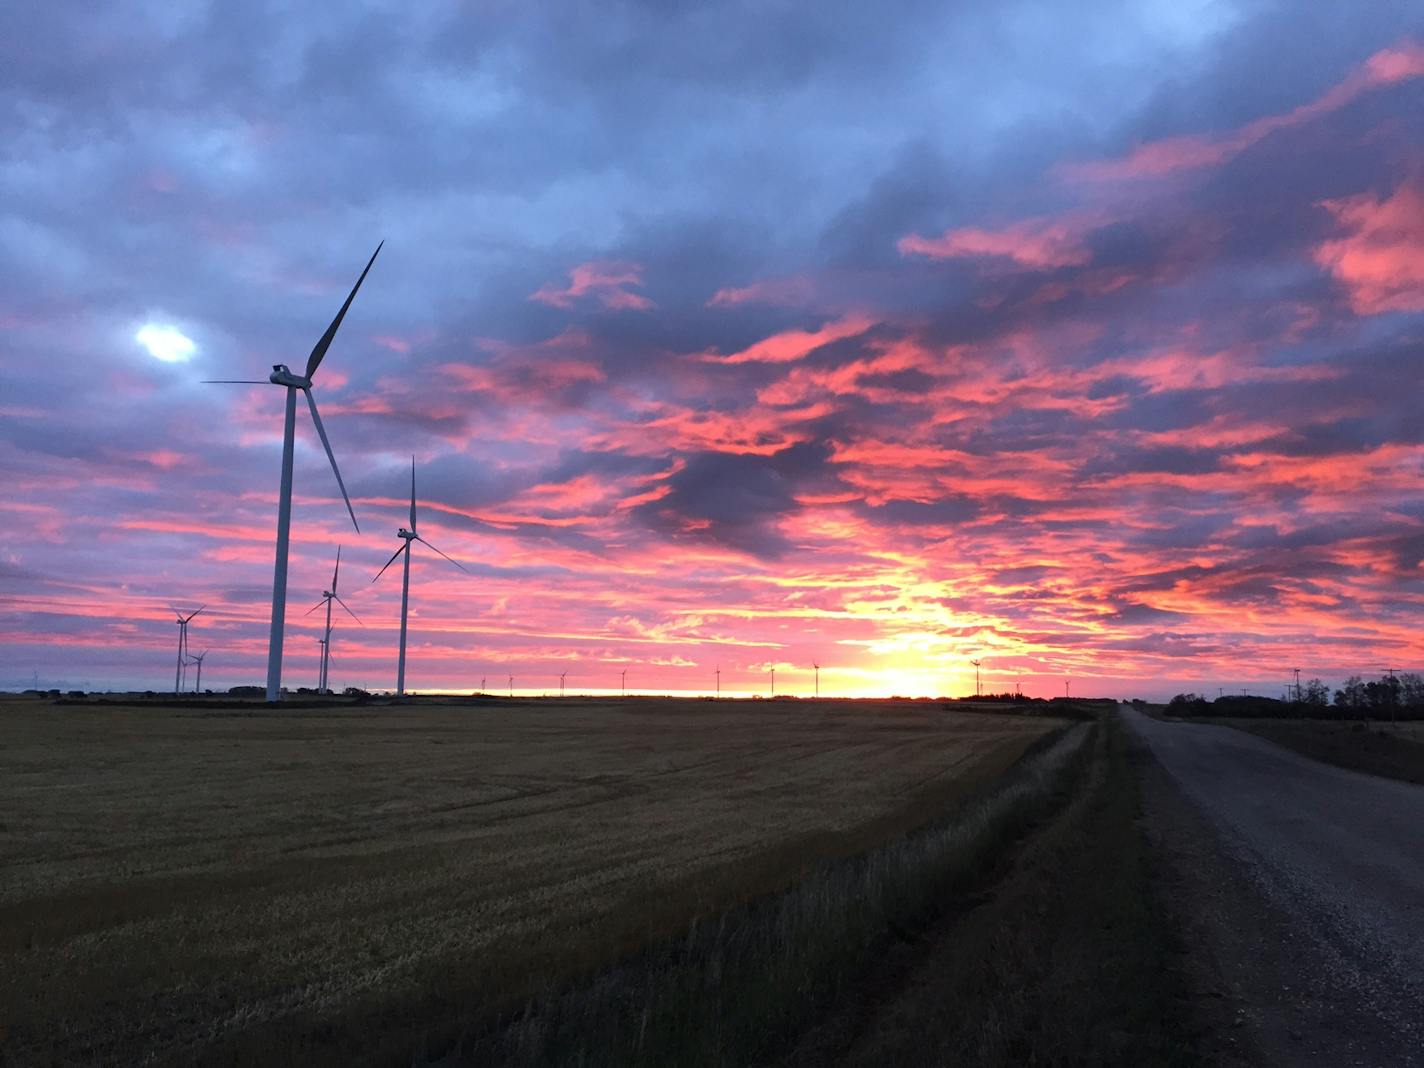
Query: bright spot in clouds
[166, 343]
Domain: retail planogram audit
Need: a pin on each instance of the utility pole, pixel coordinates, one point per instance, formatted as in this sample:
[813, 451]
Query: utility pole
[1297, 684]
[1393, 696]
[976, 664]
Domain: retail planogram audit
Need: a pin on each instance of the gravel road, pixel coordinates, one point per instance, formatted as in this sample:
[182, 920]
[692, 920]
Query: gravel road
[1300, 888]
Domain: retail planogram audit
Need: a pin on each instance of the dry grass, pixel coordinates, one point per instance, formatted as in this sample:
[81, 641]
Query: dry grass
[186, 886]
[1394, 751]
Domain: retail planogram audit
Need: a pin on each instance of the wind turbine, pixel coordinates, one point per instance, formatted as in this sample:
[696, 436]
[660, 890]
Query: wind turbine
[282, 376]
[718, 673]
[409, 536]
[773, 682]
[178, 671]
[198, 685]
[623, 675]
[511, 686]
[562, 674]
[818, 677]
[326, 598]
[976, 664]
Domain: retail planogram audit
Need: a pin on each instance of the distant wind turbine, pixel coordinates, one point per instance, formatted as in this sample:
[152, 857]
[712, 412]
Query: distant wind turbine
[818, 677]
[718, 673]
[623, 675]
[511, 686]
[976, 664]
[282, 376]
[179, 671]
[773, 682]
[409, 536]
[562, 675]
[326, 598]
[198, 685]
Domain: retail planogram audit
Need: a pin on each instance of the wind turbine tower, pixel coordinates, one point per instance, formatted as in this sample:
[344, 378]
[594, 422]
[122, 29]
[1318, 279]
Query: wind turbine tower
[326, 598]
[282, 376]
[408, 536]
[976, 664]
[198, 685]
[181, 669]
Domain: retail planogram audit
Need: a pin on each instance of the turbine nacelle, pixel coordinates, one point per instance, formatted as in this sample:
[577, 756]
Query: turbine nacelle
[282, 376]
[408, 535]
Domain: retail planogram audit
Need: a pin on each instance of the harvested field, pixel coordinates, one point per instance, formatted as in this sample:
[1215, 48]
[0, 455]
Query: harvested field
[185, 884]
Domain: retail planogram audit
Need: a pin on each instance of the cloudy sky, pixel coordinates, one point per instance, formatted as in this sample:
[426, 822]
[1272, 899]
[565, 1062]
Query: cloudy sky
[1082, 339]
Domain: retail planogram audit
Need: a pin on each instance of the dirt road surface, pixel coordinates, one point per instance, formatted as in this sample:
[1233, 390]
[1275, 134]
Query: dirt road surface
[1300, 887]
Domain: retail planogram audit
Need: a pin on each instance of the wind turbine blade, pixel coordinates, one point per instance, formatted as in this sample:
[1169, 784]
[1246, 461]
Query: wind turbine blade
[177, 613]
[412, 494]
[319, 352]
[457, 563]
[235, 381]
[350, 613]
[314, 607]
[337, 570]
[195, 613]
[321, 432]
[392, 560]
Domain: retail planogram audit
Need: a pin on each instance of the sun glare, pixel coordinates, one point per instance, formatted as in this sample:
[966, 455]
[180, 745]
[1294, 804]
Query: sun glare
[166, 343]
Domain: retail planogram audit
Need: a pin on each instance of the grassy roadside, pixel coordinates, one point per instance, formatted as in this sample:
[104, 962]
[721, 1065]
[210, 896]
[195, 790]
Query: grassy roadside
[740, 989]
[1066, 960]
[1373, 749]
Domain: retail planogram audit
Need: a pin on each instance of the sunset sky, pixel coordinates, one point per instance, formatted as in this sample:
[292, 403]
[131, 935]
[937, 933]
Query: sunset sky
[1083, 339]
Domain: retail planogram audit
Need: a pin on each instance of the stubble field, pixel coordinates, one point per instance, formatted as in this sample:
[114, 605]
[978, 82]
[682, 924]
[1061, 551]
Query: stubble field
[203, 884]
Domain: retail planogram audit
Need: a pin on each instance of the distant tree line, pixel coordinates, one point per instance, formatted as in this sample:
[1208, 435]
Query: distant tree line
[1391, 697]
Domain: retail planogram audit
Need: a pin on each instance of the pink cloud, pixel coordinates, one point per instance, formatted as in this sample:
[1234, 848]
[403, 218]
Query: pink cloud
[1192, 151]
[792, 345]
[605, 280]
[1380, 258]
[1034, 243]
[788, 292]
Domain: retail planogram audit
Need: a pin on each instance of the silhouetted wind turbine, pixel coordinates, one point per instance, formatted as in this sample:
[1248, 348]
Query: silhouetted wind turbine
[179, 670]
[198, 685]
[282, 376]
[718, 673]
[818, 677]
[773, 682]
[321, 666]
[511, 686]
[326, 598]
[976, 664]
[561, 682]
[623, 675]
[409, 536]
